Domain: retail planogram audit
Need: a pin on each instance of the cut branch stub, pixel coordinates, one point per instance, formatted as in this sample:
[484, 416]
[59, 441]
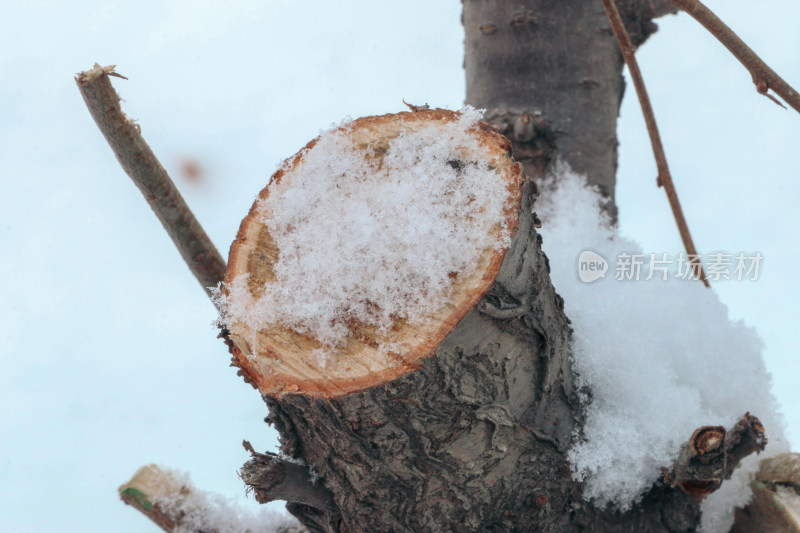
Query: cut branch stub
[395, 202]
[272, 477]
[172, 502]
[712, 454]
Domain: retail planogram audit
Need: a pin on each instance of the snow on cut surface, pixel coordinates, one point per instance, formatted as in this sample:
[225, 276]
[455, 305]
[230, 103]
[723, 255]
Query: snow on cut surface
[662, 358]
[375, 239]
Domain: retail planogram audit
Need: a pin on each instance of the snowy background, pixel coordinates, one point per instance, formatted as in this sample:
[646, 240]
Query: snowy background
[108, 359]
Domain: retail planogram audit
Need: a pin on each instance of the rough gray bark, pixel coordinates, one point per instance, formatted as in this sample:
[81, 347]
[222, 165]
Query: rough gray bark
[476, 440]
[549, 74]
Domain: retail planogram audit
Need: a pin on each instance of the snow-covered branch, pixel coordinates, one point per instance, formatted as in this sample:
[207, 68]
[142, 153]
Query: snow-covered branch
[170, 500]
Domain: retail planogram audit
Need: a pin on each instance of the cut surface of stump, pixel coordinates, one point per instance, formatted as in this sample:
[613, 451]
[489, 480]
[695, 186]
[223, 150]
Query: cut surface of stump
[366, 249]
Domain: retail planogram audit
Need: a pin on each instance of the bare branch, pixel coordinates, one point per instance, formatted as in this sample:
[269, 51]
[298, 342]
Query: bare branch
[764, 77]
[712, 454]
[664, 176]
[139, 162]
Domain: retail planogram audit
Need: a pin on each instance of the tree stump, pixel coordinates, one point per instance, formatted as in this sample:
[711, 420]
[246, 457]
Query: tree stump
[465, 426]
[279, 359]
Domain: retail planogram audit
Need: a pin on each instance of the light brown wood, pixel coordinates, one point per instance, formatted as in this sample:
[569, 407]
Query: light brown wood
[283, 361]
[147, 485]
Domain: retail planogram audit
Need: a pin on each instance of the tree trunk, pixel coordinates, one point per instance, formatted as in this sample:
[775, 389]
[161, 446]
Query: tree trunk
[549, 74]
[476, 438]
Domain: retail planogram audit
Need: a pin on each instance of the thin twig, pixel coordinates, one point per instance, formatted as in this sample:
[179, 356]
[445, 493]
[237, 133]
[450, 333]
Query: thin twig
[764, 77]
[139, 162]
[664, 176]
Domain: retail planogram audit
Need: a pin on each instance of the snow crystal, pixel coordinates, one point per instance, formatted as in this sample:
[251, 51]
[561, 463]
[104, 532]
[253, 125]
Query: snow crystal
[200, 510]
[661, 358]
[371, 238]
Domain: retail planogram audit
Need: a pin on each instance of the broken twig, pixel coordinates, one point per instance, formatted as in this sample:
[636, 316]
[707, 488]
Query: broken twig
[272, 477]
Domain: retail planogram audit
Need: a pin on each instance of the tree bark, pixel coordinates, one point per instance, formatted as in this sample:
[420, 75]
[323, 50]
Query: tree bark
[476, 439]
[549, 74]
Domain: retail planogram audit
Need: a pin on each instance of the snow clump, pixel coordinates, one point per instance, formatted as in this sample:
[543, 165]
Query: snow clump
[661, 358]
